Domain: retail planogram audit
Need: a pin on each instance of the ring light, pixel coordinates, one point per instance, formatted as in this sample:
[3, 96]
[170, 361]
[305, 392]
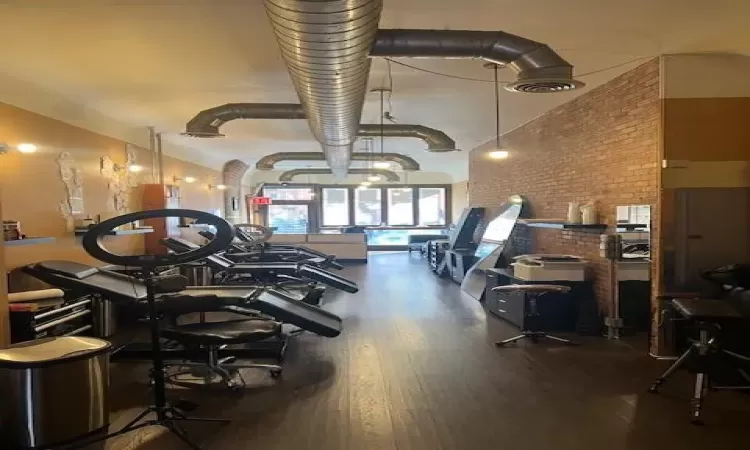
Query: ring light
[93, 239]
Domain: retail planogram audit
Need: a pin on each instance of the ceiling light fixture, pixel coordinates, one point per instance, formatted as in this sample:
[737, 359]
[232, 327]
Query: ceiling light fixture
[25, 147]
[186, 179]
[220, 187]
[135, 168]
[498, 152]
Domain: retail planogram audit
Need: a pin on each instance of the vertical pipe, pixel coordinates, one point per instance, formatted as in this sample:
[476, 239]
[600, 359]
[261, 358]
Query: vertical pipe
[160, 159]
[152, 148]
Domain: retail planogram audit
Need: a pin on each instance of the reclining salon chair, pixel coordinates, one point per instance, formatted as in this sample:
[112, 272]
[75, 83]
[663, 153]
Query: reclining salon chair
[531, 325]
[718, 356]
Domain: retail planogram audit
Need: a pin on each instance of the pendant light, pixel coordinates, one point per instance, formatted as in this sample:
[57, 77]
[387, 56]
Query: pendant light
[381, 163]
[497, 153]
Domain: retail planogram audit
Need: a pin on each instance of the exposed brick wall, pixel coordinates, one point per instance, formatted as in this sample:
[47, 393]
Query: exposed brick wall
[602, 146]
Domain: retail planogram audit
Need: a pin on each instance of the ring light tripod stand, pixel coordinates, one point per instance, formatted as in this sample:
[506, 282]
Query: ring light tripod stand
[167, 415]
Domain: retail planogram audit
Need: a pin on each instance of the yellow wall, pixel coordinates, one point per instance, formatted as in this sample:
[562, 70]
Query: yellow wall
[32, 188]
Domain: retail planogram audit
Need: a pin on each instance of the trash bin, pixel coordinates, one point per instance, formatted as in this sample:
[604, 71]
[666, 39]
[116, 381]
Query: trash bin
[53, 390]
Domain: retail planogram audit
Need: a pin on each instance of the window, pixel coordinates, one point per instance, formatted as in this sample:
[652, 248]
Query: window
[431, 206]
[368, 206]
[288, 219]
[335, 207]
[289, 193]
[400, 206]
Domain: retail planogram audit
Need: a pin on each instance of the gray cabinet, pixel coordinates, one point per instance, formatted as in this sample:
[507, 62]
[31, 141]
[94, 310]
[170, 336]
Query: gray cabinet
[557, 311]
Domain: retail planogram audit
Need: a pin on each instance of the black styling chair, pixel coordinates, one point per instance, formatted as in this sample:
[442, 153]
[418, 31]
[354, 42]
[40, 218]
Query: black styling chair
[211, 337]
[719, 356]
[531, 293]
[161, 412]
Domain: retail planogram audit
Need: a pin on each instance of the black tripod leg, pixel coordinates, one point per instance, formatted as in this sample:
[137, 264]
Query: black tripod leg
[137, 419]
[201, 419]
[672, 369]
[180, 433]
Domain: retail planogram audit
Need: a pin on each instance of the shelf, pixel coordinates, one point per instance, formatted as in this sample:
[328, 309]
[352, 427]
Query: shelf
[566, 226]
[120, 232]
[29, 241]
[632, 226]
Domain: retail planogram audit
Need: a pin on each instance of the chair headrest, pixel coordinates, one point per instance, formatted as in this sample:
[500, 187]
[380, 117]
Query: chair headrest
[68, 268]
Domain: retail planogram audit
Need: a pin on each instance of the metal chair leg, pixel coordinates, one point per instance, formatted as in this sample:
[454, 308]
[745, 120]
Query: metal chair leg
[696, 404]
[672, 369]
[559, 339]
[509, 341]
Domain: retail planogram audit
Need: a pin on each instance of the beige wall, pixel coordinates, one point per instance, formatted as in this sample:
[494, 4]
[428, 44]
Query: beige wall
[459, 199]
[32, 188]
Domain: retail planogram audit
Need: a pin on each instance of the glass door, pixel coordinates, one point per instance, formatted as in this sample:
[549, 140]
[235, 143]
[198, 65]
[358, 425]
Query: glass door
[289, 219]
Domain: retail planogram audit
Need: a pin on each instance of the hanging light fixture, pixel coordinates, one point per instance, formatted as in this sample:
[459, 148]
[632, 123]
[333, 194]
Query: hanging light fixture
[381, 163]
[497, 152]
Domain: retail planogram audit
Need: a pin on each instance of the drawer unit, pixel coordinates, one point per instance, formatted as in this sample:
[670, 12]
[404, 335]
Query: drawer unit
[29, 321]
[557, 312]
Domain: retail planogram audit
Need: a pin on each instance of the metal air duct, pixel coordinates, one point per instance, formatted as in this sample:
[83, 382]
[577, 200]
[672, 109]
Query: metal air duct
[538, 68]
[436, 140]
[290, 174]
[269, 161]
[232, 175]
[325, 44]
[206, 123]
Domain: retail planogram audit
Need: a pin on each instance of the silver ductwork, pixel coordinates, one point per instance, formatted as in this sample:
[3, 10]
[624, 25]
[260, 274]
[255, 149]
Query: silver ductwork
[232, 175]
[290, 174]
[206, 123]
[325, 44]
[436, 140]
[269, 161]
[538, 68]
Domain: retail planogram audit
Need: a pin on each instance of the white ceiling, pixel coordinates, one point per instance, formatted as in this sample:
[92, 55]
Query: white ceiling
[158, 62]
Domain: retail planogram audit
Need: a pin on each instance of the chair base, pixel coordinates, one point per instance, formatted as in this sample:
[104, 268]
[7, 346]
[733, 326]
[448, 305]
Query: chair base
[217, 371]
[535, 337]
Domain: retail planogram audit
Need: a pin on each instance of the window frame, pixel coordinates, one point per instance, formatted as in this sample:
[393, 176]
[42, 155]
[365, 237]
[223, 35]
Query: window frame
[349, 205]
[316, 204]
[446, 201]
[354, 206]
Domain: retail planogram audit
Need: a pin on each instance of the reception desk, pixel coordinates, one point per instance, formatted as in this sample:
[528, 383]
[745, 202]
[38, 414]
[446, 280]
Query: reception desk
[346, 247]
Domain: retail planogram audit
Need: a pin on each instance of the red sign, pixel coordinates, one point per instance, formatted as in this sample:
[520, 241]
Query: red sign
[261, 200]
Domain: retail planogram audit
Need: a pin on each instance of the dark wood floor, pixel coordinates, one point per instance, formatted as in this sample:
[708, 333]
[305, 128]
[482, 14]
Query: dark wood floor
[415, 369]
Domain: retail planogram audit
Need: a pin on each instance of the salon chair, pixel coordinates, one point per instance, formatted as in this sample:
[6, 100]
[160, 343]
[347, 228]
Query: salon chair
[211, 337]
[531, 329]
[719, 355]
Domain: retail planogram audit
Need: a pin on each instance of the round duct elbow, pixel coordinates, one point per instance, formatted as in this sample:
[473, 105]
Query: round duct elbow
[441, 149]
[202, 134]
